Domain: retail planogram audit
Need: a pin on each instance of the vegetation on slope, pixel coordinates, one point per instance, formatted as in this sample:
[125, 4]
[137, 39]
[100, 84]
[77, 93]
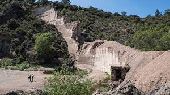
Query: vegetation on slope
[23, 36]
[154, 34]
[150, 33]
[97, 24]
[27, 39]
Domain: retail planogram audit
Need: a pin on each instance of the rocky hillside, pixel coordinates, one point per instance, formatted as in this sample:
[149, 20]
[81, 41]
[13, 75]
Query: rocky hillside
[24, 38]
[150, 33]
[67, 30]
[49, 32]
[148, 69]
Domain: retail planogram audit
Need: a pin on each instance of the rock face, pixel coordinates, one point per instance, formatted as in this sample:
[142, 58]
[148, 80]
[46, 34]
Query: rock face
[147, 69]
[126, 89]
[161, 90]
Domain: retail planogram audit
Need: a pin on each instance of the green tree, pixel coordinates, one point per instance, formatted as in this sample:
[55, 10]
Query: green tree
[44, 45]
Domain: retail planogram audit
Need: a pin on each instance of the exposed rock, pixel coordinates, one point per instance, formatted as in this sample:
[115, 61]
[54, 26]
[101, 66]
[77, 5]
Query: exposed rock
[161, 90]
[147, 68]
[69, 31]
[126, 88]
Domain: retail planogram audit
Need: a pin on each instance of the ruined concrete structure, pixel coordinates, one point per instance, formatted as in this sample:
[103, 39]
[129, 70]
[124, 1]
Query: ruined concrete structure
[147, 69]
[102, 55]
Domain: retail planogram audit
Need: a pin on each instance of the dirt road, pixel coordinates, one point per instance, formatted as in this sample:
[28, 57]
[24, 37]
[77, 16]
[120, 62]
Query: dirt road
[11, 80]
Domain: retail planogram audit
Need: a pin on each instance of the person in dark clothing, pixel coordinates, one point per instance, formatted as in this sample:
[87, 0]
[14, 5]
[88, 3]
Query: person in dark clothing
[31, 77]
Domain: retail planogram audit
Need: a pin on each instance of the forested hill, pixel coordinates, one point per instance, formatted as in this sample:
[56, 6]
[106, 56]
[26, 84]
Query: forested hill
[97, 24]
[27, 39]
[149, 33]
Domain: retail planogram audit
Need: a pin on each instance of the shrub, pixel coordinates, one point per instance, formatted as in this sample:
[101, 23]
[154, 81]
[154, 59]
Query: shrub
[68, 85]
[5, 62]
[43, 43]
[9, 64]
[23, 65]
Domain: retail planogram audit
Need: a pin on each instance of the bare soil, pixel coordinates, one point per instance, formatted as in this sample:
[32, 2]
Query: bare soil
[93, 74]
[12, 80]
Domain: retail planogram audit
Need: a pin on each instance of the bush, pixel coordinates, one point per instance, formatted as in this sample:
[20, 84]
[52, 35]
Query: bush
[5, 62]
[23, 65]
[68, 85]
[43, 43]
[9, 64]
[49, 47]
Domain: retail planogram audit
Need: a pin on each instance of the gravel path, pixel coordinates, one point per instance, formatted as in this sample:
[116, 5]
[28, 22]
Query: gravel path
[11, 80]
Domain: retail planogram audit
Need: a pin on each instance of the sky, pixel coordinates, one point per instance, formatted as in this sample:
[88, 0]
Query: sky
[141, 8]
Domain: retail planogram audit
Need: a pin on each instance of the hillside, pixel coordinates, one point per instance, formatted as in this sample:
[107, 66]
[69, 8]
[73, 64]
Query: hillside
[25, 38]
[114, 49]
[149, 33]
[99, 56]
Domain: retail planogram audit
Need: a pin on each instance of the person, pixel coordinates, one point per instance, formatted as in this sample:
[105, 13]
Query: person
[31, 77]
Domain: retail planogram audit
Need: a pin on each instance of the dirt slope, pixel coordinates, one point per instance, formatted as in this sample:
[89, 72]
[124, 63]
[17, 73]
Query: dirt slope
[50, 16]
[154, 73]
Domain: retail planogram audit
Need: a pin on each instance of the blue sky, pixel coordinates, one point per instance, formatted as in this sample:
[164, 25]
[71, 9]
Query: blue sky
[135, 7]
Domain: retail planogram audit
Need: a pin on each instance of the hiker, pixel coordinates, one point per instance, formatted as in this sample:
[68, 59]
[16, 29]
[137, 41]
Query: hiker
[31, 77]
